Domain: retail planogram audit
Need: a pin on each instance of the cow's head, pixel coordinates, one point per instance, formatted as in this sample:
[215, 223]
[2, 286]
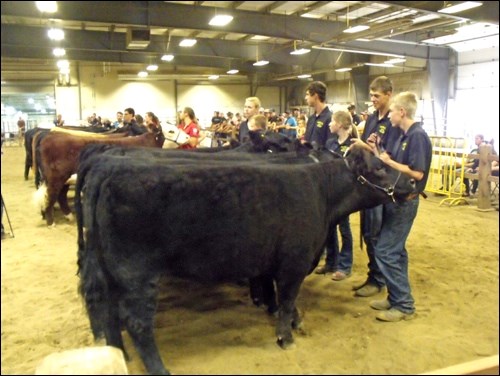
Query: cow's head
[174, 134]
[372, 172]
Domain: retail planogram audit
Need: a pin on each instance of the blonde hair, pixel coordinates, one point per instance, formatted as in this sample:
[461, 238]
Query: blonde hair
[260, 121]
[254, 100]
[344, 119]
[408, 101]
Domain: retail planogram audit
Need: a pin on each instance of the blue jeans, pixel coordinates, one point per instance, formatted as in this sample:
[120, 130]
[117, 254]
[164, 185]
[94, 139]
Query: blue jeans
[340, 259]
[371, 225]
[391, 254]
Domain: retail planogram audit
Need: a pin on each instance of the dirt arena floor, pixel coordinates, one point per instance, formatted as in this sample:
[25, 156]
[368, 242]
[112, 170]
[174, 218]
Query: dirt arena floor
[216, 330]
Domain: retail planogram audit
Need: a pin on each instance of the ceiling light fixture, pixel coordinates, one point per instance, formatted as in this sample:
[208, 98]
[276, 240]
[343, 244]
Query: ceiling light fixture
[59, 52]
[452, 9]
[304, 76]
[353, 29]
[152, 67]
[167, 57]
[384, 65]
[63, 64]
[56, 34]
[356, 29]
[232, 71]
[343, 70]
[213, 77]
[220, 20]
[46, 6]
[260, 63]
[300, 51]
[187, 42]
[394, 61]
[142, 74]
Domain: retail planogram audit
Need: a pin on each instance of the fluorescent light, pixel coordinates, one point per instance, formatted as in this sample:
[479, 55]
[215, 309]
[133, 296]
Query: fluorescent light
[232, 71]
[259, 37]
[46, 6]
[56, 34]
[427, 17]
[356, 51]
[167, 57]
[343, 69]
[152, 67]
[220, 20]
[261, 63]
[187, 43]
[59, 52]
[303, 76]
[460, 7]
[300, 51]
[142, 74]
[356, 29]
[394, 61]
[213, 77]
[385, 65]
[64, 70]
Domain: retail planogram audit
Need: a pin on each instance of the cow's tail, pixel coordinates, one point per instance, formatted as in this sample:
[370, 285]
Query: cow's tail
[40, 198]
[93, 286]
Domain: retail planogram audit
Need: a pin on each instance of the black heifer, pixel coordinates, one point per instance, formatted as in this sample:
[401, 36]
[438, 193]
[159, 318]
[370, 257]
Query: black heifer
[228, 213]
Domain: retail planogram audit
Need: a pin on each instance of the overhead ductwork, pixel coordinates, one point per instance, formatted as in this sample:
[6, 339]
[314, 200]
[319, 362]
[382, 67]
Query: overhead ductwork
[138, 39]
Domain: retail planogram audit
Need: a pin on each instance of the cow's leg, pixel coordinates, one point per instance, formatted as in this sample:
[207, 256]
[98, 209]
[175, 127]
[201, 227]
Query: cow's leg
[62, 199]
[288, 289]
[112, 329]
[262, 292]
[52, 194]
[139, 307]
[256, 293]
[27, 166]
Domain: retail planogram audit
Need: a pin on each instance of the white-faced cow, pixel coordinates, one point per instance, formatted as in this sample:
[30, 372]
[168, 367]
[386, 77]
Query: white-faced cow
[59, 153]
[226, 212]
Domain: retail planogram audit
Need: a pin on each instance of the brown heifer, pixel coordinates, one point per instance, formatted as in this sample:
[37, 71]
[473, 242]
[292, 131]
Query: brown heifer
[59, 154]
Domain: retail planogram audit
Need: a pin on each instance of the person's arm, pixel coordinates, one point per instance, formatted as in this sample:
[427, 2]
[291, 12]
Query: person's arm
[386, 158]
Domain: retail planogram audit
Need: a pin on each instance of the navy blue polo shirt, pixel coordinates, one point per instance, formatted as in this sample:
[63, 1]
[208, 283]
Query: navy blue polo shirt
[414, 149]
[243, 133]
[318, 127]
[388, 134]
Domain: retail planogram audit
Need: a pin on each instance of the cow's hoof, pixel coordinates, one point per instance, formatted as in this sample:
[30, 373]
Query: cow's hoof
[51, 226]
[285, 344]
[69, 217]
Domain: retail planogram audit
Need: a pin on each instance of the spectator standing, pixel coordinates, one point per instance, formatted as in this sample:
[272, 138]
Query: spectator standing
[289, 127]
[59, 122]
[355, 117]
[21, 129]
[130, 125]
[251, 108]
[189, 125]
[152, 122]
[339, 261]
[377, 125]
[317, 129]
[411, 155]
